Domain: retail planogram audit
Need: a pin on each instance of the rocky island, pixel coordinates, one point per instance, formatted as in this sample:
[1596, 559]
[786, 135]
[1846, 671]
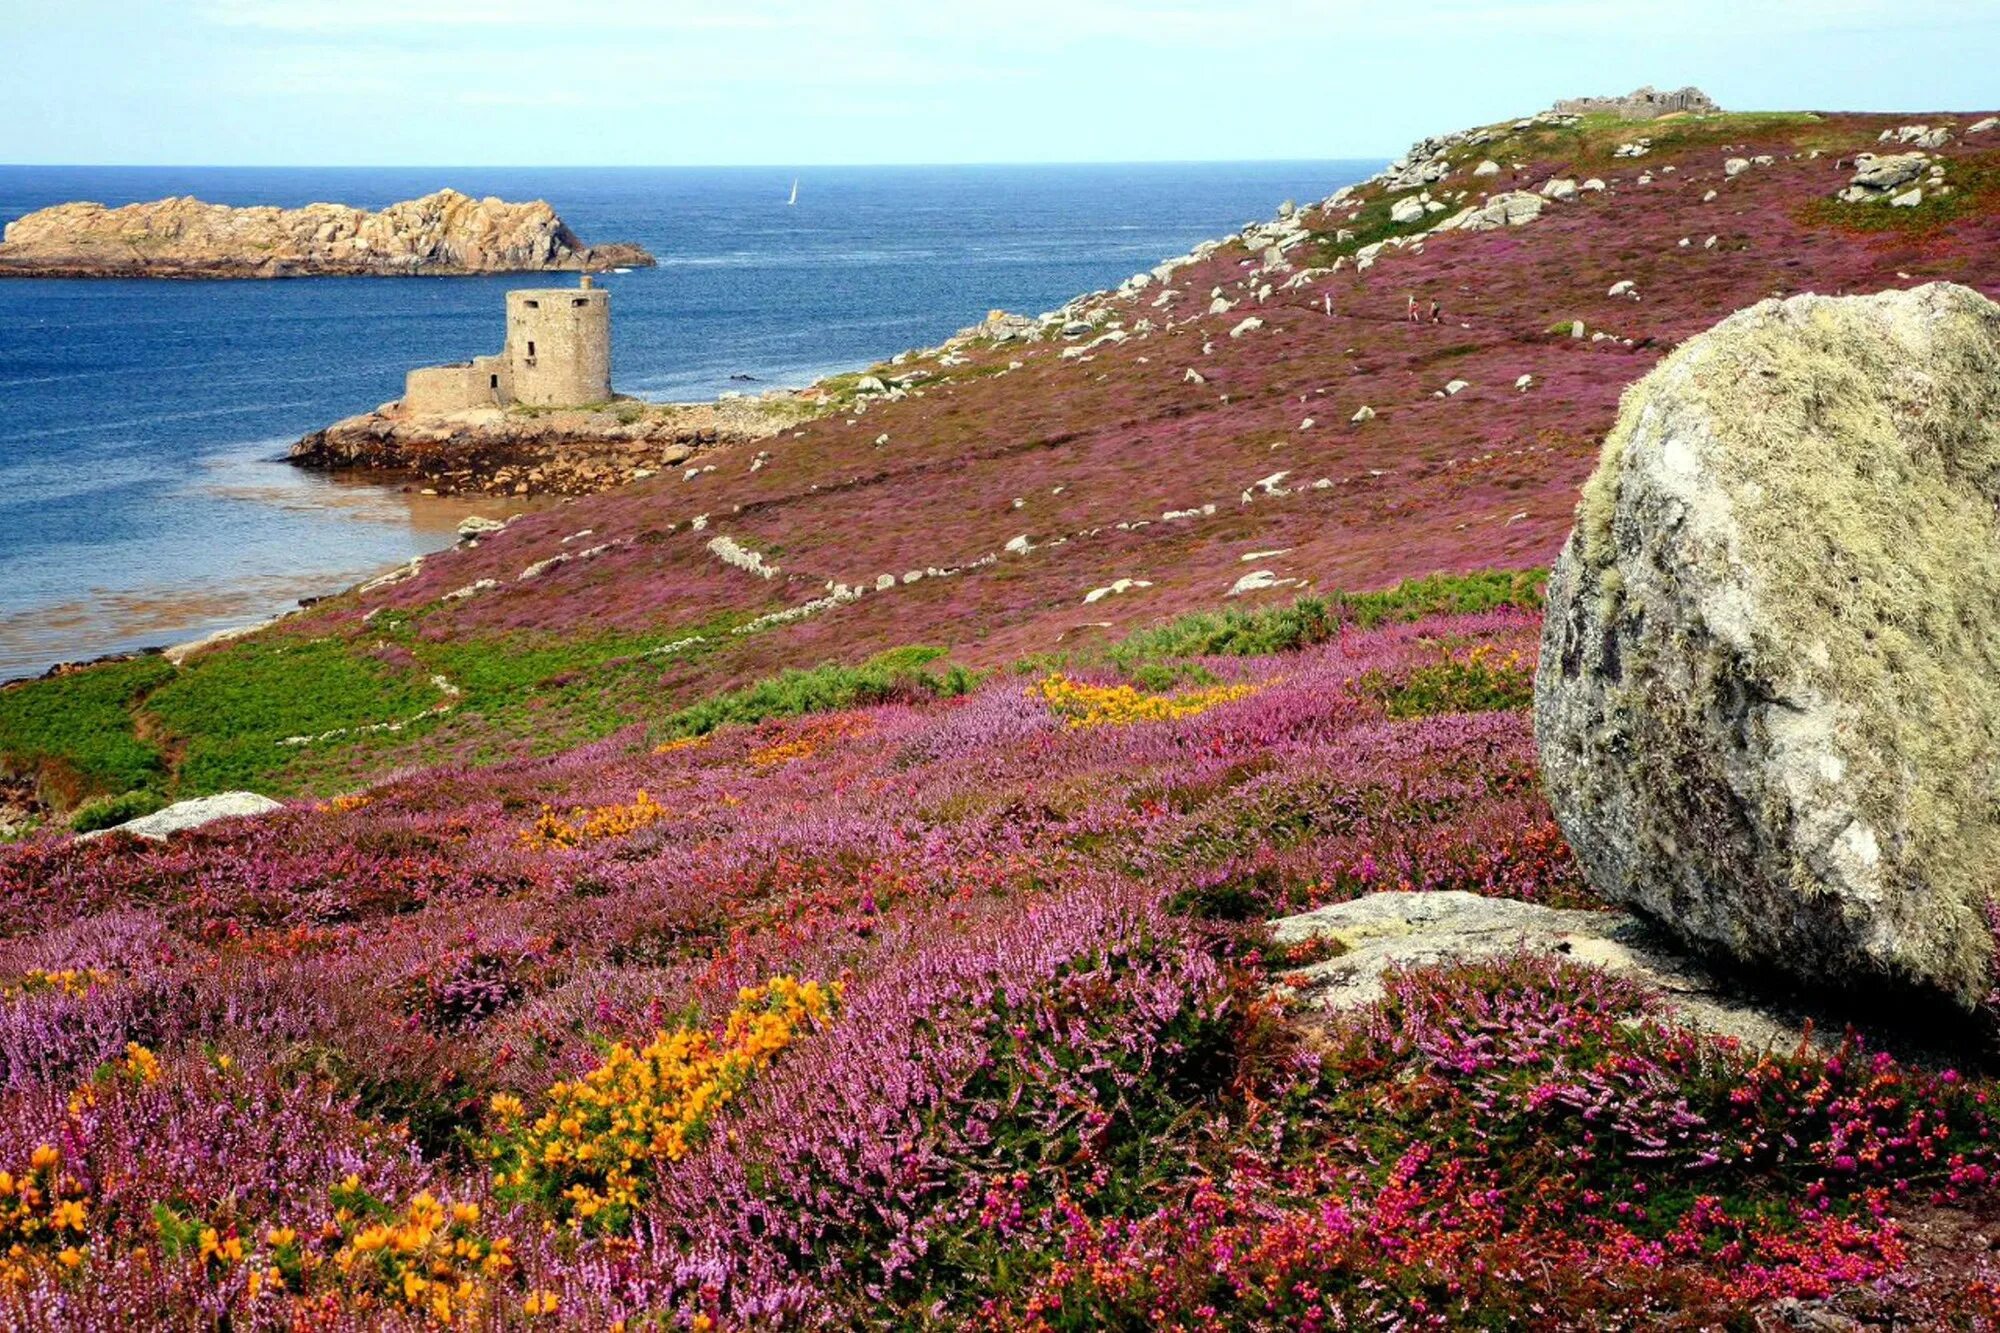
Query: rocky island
[445, 233]
[539, 417]
[538, 451]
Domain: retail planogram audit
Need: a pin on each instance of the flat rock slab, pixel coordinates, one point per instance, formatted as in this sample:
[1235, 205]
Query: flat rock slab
[183, 815]
[1391, 930]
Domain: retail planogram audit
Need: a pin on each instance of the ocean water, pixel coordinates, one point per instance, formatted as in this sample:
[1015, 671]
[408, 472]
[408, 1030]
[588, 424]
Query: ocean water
[141, 422]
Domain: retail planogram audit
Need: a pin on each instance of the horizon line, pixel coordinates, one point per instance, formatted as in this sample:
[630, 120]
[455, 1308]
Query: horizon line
[684, 166]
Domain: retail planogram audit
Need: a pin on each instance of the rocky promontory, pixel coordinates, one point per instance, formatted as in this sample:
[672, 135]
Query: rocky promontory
[539, 451]
[442, 233]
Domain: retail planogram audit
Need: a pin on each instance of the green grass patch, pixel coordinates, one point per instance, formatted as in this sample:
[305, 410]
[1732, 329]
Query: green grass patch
[74, 734]
[1310, 620]
[230, 708]
[1975, 190]
[900, 673]
[1597, 136]
[1274, 629]
[1449, 595]
[1374, 223]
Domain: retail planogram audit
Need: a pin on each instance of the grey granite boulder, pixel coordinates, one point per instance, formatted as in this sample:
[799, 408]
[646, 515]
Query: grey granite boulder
[1768, 704]
[183, 815]
[1511, 209]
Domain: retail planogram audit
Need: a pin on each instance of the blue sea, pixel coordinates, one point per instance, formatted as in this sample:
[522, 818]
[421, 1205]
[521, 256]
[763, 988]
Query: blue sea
[141, 423]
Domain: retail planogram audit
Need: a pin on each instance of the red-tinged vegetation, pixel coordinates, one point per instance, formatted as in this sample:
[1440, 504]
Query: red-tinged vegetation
[955, 1009]
[926, 1012]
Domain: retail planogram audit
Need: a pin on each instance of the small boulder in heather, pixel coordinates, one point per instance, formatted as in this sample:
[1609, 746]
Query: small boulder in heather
[184, 815]
[1768, 705]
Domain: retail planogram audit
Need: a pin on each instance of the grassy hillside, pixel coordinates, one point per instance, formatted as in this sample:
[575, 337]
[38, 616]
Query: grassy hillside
[663, 938]
[1080, 455]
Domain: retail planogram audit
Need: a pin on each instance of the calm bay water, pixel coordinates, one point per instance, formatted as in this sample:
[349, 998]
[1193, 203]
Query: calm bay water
[140, 422]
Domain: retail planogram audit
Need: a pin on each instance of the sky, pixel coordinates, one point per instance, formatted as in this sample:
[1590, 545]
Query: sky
[811, 82]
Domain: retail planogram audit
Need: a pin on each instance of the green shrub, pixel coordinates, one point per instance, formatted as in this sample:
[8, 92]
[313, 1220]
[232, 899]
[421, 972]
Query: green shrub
[1232, 633]
[113, 810]
[1480, 682]
[896, 674]
[1447, 594]
[1311, 620]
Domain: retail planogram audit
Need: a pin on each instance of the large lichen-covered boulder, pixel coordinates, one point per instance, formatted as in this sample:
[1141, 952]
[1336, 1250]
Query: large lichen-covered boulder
[1768, 705]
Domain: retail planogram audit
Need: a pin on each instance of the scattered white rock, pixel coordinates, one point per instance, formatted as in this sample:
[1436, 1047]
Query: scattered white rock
[472, 589]
[1257, 580]
[1525, 383]
[183, 815]
[738, 556]
[1512, 209]
[1249, 325]
[1019, 545]
[1735, 166]
[474, 527]
[1113, 589]
[1623, 287]
[541, 567]
[1456, 387]
[1363, 413]
[400, 574]
[1382, 931]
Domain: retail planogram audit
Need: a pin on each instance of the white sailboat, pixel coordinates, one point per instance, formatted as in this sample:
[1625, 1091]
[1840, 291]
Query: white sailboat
[793, 202]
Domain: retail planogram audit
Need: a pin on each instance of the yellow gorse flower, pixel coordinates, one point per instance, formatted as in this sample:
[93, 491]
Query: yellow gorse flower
[72, 981]
[1085, 705]
[44, 1217]
[597, 1139]
[141, 1063]
[430, 1258]
[591, 823]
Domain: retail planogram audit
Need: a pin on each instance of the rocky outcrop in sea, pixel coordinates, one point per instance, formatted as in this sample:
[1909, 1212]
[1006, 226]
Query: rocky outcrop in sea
[538, 452]
[442, 233]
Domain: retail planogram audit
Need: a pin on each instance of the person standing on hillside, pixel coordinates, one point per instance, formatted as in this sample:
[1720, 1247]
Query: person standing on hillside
[1437, 311]
[1410, 311]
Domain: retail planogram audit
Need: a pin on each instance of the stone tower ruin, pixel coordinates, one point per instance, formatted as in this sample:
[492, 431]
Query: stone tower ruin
[557, 354]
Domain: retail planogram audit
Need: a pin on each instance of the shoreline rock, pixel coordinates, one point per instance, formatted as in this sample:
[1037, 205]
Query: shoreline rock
[529, 452]
[441, 234]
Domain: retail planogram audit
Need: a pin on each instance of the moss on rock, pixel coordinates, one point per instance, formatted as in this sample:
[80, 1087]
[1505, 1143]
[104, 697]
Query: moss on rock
[1769, 699]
